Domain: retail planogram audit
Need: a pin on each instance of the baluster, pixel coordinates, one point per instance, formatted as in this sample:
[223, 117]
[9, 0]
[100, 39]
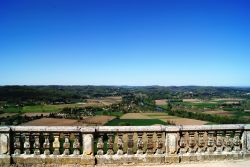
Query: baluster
[17, 144]
[237, 141]
[182, 143]
[219, 142]
[201, 142]
[56, 144]
[140, 143]
[26, 144]
[130, 143]
[228, 142]
[192, 143]
[46, 144]
[36, 144]
[159, 143]
[76, 145]
[120, 144]
[110, 144]
[150, 145]
[100, 144]
[210, 142]
[66, 144]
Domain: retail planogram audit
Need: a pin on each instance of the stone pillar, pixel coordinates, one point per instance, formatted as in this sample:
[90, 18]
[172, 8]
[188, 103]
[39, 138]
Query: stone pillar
[5, 146]
[159, 143]
[150, 145]
[110, 144]
[228, 142]
[210, 142]
[46, 144]
[219, 142]
[140, 143]
[120, 144]
[201, 142]
[88, 141]
[66, 144]
[36, 144]
[76, 145]
[56, 144]
[247, 138]
[237, 141]
[100, 144]
[130, 143]
[26, 144]
[171, 144]
[192, 142]
[182, 143]
[17, 144]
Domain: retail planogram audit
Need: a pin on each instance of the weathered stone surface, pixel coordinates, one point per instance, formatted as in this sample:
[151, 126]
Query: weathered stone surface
[57, 160]
[247, 140]
[88, 145]
[171, 143]
[4, 143]
[129, 159]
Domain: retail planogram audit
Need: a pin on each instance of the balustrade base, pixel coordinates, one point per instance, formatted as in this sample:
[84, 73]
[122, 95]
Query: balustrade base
[210, 157]
[4, 160]
[59, 160]
[129, 159]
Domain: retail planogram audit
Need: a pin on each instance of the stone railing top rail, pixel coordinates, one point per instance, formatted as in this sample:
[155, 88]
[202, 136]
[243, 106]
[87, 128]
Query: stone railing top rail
[156, 128]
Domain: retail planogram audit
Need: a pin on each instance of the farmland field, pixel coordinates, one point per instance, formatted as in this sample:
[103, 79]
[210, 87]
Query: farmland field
[95, 120]
[162, 117]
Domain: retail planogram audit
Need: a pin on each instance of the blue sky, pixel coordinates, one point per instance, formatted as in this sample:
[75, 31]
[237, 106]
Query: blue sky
[125, 42]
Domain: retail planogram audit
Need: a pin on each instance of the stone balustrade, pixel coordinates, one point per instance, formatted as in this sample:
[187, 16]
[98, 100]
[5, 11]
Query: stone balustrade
[120, 145]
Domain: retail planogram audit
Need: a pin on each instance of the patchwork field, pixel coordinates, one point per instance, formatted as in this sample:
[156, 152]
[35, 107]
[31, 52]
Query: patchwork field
[219, 112]
[161, 102]
[135, 116]
[105, 100]
[163, 117]
[96, 120]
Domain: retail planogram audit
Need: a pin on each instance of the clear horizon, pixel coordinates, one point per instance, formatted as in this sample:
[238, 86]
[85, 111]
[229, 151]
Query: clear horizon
[127, 43]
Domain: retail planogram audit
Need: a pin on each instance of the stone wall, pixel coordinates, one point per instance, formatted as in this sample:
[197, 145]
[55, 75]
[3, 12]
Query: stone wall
[121, 145]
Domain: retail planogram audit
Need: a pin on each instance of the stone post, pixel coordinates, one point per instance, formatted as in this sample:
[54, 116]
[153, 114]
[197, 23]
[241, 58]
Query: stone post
[140, 143]
[159, 143]
[150, 144]
[17, 144]
[237, 141]
[219, 142]
[26, 144]
[192, 142]
[46, 144]
[76, 144]
[36, 144]
[110, 144]
[56, 144]
[88, 141]
[120, 144]
[5, 146]
[66, 144]
[228, 142]
[171, 144]
[100, 144]
[210, 142]
[130, 143]
[201, 142]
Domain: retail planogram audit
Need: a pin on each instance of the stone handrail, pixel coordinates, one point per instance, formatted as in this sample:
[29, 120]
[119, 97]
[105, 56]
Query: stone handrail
[119, 145]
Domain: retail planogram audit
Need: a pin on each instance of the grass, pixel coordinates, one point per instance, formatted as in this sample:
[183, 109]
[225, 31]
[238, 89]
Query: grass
[134, 122]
